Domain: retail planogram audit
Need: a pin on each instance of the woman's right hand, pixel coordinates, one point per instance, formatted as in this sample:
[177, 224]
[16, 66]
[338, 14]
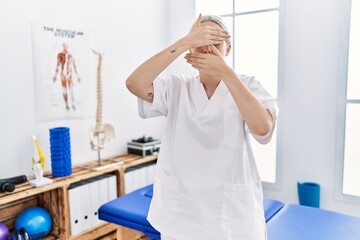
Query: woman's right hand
[205, 35]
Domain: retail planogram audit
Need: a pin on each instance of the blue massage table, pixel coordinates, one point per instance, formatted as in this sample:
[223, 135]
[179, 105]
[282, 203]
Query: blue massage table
[131, 210]
[294, 222]
[284, 222]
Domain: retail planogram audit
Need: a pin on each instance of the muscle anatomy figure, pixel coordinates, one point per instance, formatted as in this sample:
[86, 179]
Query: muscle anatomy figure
[67, 67]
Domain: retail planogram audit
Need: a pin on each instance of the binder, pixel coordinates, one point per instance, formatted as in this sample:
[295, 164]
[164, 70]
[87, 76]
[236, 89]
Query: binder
[112, 187]
[103, 190]
[75, 209]
[85, 205]
[136, 179]
[94, 197]
[142, 177]
[129, 182]
[150, 173]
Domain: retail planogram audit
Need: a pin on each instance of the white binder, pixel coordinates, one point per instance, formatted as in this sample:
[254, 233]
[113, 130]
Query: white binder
[129, 182]
[103, 190]
[86, 210]
[94, 197]
[136, 179]
[112, 187]
[75, 210]
[142, 177]
[150, 173]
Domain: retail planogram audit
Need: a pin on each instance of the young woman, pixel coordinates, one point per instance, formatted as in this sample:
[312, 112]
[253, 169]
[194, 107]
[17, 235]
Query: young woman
[207, 185]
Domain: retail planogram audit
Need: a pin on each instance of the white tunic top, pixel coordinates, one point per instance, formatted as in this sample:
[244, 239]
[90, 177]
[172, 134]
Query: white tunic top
[207, 184]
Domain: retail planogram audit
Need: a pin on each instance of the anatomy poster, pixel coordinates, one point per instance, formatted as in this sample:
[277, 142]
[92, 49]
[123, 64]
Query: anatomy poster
[63, 88]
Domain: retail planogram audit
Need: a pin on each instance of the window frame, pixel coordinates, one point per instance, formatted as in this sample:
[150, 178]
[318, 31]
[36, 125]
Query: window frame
[343, 102]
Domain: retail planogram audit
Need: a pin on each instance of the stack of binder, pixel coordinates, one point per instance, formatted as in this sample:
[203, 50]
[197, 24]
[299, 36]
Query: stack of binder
[139, 176]
[86, 197]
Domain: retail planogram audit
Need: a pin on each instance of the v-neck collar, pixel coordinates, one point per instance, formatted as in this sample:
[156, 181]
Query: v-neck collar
[201, 100]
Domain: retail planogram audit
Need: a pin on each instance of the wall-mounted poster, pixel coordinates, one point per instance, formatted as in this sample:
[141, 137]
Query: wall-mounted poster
[61, 72]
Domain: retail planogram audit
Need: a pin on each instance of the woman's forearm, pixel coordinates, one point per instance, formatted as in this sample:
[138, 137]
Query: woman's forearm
[257, 117]
[140, 81]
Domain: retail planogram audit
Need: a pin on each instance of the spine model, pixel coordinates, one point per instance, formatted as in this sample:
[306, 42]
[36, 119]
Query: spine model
[101, 134]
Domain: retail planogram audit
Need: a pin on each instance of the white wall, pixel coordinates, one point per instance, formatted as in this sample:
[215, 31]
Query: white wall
[181, 17]
[127, 31]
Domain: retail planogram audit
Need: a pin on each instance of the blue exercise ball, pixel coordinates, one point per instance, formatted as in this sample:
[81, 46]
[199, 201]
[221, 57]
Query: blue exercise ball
[36, 221]
[4, 232]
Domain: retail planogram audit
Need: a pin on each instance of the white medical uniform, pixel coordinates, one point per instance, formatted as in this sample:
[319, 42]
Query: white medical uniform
[207, 184]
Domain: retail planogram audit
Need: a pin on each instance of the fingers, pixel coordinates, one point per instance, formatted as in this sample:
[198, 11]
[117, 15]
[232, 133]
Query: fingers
[214, 41]
[196, 65]
[196, 60]
[198, 20]
[204, 59]
[197, 23]
[194, 56]
[216, 34]
[218, 31]
[204, 35]
[215, 50]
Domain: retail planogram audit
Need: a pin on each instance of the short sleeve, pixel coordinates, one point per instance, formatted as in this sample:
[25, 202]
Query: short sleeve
[159, 106]
[267, 101]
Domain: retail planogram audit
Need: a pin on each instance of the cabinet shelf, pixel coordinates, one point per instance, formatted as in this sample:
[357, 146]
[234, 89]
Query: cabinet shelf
[54, 197]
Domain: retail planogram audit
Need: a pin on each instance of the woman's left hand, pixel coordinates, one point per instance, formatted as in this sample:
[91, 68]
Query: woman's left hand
[212, 63]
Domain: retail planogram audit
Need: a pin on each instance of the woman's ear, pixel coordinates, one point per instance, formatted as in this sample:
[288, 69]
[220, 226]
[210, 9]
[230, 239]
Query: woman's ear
[228, 49]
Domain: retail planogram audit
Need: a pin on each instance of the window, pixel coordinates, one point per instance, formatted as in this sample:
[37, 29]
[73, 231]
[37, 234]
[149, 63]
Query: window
[254, 27]
[351, 164]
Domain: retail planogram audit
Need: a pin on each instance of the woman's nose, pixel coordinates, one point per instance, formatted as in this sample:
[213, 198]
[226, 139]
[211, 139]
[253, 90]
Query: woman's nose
[206, 49]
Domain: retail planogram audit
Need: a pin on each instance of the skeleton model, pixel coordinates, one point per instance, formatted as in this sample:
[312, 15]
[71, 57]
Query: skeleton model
[102, 133]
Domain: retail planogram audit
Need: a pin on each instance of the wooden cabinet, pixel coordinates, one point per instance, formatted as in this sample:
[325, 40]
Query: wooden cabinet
[54, 198]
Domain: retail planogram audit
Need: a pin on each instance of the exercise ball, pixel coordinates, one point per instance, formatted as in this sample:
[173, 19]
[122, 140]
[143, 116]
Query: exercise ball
[36, 221]
[4, 232]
